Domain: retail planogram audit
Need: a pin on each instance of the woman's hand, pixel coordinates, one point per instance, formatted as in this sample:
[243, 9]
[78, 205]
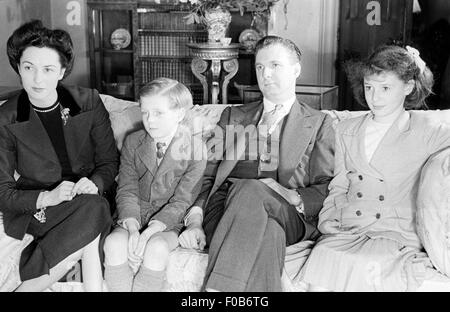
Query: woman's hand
[63, 192]
[85, 186]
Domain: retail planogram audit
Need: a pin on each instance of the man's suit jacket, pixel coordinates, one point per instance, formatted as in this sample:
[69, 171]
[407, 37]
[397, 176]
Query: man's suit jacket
[306, 155]
[26, 148]
[149, 192]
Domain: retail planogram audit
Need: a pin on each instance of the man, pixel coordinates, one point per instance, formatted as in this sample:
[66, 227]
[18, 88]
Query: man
[253, 203]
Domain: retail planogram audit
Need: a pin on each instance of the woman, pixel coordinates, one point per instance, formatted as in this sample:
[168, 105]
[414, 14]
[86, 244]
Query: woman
[57, 156]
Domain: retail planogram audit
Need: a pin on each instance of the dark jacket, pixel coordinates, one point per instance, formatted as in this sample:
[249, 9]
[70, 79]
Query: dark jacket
[306, 155]
[26, 148]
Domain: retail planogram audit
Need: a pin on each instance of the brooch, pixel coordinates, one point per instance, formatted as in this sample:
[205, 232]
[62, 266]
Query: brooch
[40, 215]
[65, 115]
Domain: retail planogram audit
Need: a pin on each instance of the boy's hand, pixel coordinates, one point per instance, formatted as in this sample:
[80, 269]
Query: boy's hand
[193, 237]
[145, 236]
[133, 238]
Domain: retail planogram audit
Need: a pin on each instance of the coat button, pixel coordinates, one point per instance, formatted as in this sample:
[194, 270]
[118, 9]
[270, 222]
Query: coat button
[358, 213]
[359, 194]
[378, 216]
[381, 198]
[360, 177]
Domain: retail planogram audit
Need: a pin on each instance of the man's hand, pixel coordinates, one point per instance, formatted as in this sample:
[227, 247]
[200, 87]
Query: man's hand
[193, 237]
[291, 196]
[85, 186]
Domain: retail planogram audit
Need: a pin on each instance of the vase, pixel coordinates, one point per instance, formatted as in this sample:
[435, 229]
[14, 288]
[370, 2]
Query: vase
[217, 21]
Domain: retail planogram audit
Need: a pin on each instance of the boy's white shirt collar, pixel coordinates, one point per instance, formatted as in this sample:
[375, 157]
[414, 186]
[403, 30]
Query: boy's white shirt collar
[166, 139]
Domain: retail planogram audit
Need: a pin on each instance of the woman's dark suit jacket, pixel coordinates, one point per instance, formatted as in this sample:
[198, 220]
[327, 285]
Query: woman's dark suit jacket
[26, 148]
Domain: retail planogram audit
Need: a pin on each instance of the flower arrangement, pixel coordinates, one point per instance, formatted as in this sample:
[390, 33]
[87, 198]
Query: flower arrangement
[199, 7]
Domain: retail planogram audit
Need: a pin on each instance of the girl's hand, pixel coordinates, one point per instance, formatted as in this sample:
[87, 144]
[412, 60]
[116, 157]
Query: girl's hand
[63, 192]
[85, 186]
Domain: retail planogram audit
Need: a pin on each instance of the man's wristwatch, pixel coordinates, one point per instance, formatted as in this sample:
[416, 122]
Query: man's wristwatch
[301, 206]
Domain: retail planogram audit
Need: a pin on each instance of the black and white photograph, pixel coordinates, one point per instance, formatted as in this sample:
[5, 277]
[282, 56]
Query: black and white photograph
[231, 155]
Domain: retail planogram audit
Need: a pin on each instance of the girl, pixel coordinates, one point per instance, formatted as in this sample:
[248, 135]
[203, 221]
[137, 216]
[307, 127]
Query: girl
[369, 240]
[157, 184]
[59, 140]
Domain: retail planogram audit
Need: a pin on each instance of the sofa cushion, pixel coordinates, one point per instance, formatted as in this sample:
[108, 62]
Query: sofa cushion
[10, 251]
[126, 117]
[433, 210]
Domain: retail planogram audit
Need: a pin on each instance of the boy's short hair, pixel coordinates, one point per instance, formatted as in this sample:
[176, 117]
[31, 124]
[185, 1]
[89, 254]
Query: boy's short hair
[178, 93]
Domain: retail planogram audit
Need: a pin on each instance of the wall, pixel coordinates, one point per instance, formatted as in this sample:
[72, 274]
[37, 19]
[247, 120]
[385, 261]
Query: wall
[435, 10]
[12, 14]
[313, 26]
[71, 16]
[53, 14]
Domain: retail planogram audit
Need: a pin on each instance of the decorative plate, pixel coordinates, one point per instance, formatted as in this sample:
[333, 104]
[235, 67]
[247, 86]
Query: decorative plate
[248, 38]
[120, 38]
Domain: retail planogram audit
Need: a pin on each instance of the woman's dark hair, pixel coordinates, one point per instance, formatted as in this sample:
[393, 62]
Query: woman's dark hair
[395, 59]
[34, 34]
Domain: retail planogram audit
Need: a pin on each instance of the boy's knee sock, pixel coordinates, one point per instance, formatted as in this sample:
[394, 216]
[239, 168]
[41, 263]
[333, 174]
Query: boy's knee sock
[147, 280]
[119, 278]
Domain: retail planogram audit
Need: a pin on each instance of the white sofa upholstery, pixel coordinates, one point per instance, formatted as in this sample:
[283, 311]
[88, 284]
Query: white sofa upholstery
[186, 267]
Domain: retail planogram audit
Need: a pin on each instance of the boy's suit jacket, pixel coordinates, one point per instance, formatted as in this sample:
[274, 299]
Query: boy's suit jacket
[305, 160]
[26, 148]
[149, 192]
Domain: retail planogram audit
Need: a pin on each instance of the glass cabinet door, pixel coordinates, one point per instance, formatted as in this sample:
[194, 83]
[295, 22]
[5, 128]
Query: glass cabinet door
[111, 48]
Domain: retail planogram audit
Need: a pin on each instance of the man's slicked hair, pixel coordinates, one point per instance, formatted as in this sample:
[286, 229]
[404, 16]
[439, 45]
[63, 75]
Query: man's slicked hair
[269, 41]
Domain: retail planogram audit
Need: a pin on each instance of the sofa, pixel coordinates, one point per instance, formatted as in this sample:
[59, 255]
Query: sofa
[186, 267]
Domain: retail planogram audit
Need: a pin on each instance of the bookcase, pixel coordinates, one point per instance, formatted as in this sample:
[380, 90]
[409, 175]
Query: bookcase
[162, 50]
[157, 46]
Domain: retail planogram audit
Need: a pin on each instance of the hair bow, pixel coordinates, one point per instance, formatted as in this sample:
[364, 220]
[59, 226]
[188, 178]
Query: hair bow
[415, 54]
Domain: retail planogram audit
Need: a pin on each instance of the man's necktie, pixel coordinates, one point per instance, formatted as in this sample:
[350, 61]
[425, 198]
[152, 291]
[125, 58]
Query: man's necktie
[269, 118]
[160, 149]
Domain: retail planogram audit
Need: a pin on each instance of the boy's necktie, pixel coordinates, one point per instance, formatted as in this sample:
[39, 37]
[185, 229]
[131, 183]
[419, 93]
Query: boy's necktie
[160, 149]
